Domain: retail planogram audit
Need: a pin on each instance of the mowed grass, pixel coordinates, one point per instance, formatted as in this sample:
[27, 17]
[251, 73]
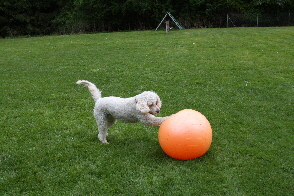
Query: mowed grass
[241, 79]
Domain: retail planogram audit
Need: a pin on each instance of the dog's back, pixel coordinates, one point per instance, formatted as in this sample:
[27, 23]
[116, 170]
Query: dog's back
[123, 109]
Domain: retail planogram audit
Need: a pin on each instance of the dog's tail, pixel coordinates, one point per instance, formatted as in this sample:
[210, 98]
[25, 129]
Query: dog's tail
[95, 92]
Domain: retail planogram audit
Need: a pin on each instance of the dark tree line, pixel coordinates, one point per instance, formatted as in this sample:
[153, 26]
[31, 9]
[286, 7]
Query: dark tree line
[42, 17]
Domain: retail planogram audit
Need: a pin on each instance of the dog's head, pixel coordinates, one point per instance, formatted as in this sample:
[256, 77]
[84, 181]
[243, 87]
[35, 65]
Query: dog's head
[148, 102]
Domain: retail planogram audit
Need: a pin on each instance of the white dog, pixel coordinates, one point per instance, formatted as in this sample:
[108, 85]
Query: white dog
[140, 108]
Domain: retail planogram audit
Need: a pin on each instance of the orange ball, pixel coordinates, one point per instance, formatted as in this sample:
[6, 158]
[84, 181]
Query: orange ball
[185, 135]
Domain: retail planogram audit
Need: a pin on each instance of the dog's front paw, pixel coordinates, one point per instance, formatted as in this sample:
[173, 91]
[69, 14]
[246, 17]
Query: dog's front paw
[105, 142]
[102, 139]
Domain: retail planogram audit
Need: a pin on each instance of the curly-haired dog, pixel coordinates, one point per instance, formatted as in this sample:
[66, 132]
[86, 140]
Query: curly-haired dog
[140, 108]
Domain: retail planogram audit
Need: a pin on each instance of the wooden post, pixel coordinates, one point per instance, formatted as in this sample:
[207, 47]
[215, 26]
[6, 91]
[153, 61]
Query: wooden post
[227, 20]
[167, 26]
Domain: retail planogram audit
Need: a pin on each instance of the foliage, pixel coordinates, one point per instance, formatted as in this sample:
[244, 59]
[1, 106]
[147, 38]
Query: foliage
[241, 79]
[27, 17]
[32, 17]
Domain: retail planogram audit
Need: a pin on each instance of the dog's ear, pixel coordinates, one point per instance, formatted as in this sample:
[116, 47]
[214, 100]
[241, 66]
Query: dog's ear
[141, 105]
[159, 103]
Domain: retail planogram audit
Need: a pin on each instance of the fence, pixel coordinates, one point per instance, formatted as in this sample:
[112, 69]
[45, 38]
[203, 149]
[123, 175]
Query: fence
[259, 20]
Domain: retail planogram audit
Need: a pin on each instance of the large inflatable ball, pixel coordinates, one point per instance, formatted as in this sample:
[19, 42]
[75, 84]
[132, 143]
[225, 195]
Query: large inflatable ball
[185, 135]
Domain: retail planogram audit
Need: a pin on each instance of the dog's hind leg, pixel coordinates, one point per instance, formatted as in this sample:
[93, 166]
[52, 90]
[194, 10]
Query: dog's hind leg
[102, 134]
[103, 122]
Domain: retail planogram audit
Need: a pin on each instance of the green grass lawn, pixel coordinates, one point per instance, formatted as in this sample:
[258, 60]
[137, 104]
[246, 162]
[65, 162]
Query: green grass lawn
[241, 79]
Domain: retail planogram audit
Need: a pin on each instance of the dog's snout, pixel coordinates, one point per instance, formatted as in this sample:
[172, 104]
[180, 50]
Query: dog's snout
[157, 111]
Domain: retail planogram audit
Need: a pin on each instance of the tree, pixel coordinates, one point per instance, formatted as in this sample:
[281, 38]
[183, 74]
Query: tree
[26, 17]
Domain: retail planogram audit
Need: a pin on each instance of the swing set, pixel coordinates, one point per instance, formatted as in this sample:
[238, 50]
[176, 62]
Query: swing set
[167, 22]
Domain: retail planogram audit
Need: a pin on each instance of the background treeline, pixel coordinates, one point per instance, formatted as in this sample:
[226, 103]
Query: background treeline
[42, 17]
